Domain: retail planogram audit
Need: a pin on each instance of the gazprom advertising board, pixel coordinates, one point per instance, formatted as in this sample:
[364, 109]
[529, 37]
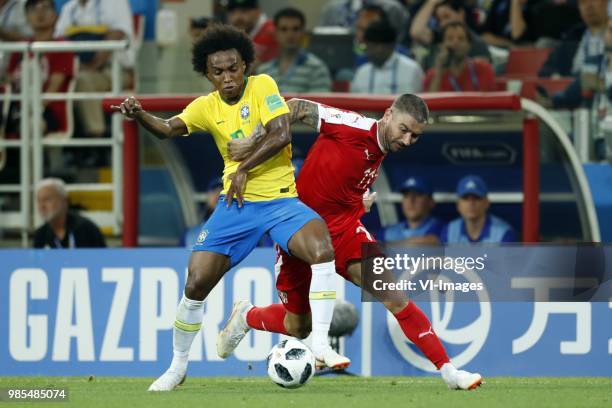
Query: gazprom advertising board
[111, 311]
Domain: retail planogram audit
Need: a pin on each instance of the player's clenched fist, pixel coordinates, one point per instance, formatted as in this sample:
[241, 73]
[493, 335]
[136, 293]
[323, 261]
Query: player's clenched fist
[129, 107]
[240, 149]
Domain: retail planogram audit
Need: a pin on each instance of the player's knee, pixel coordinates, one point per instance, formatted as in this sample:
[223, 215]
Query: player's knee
[355, 274]
[321, 252]
[395, 306]
[195, 287]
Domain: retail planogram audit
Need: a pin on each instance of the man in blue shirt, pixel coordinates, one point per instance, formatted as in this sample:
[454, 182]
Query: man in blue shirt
[475, 225]
[419, 227]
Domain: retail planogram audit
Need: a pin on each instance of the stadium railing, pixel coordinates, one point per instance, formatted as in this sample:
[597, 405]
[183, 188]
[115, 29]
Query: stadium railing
[32, 139]
[19, 219]
[499, 101]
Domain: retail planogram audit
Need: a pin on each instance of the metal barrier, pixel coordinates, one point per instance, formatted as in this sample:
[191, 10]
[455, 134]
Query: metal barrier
[31, 133]
[22, 218]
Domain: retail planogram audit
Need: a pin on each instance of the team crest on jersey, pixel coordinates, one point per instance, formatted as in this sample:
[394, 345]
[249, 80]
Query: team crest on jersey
[202, 236]
[244, 112]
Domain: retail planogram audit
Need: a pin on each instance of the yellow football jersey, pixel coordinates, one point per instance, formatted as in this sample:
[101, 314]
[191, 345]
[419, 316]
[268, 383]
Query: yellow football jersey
[260, 103]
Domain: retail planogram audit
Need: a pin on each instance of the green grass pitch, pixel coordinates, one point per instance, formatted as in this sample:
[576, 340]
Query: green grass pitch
[320, 392]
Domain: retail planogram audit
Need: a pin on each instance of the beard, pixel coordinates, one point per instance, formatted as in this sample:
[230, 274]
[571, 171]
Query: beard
[52, 215]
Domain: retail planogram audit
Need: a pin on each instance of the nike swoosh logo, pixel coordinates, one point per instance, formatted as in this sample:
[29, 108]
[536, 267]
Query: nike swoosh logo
[218, 123]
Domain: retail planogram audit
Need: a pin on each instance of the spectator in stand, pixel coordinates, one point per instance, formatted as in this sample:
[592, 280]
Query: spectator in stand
[590, 86]
[475, 224]
[387, 72]
[62, 228]
[419, 227]
[197, 26]
[246, 15]
[295, 69]
[97, 20]
[366, 16]
[13, 27]
[512, 22]
[431, 19]
[454, 70]
[344, 13]
[192, 79]
[581, 43]
[57, 68]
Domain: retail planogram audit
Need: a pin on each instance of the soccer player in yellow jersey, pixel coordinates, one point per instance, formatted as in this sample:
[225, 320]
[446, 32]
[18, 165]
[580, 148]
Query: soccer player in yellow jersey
[267, 203]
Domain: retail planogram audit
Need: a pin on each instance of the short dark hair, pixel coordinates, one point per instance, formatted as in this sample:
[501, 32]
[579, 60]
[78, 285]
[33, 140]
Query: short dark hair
[455, 24]
[412, 105]
[241, 4]
[32, 3]
[456, 5]
[221, 37]
[380, 32]
[199, 22]
[290, 12]
[375, 8]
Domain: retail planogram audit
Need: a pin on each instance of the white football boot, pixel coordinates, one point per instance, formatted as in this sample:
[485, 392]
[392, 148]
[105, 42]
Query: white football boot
[329, 358]
[169, 380]
[235, 329]
[460, 379]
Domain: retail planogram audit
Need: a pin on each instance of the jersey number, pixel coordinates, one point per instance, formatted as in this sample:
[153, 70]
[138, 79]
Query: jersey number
[239, 134]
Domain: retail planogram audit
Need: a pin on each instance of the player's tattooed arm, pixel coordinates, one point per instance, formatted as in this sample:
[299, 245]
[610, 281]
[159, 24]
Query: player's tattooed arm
[159, 127]
[301, 110]
[278, 135]
[239, 149]
[305, 111]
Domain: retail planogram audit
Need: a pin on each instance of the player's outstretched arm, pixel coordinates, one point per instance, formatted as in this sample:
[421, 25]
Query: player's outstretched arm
[278, 131]
[161, 128]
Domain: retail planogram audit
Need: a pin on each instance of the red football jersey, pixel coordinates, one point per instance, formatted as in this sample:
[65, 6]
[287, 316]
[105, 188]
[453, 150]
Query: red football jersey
[340, 167]
[264, 41]
[50, 63]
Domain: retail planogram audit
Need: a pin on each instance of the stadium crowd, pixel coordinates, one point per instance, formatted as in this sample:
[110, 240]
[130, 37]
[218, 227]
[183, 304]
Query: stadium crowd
[397, 46]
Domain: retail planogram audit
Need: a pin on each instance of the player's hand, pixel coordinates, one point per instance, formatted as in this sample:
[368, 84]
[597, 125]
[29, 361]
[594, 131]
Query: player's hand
[239, 149]
[236, 188]
[368, 200]
[129, 107]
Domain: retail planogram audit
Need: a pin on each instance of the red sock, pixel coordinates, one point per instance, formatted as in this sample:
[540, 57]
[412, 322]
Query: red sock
[270, 318]
[417, 327]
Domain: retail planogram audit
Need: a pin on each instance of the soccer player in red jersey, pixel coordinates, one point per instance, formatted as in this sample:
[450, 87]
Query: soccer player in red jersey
[340, 168]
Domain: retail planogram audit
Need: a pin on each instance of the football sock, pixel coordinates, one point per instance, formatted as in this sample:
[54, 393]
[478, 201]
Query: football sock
[270, 318]
[417, 327]
[322, 299]
[186, 326]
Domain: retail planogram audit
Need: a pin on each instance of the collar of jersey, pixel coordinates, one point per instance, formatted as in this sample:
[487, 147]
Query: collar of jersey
[483, 233]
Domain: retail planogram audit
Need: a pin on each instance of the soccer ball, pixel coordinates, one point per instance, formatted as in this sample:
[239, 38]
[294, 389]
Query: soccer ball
[290, 364]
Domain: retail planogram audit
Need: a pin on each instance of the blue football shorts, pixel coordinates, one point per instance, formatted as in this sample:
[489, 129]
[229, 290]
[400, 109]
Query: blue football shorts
[236, 231]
